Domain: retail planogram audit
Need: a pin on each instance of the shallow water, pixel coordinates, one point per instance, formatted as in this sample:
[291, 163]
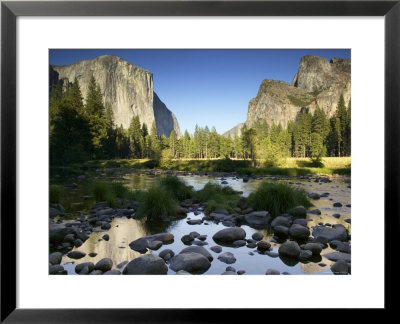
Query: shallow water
[123, 230]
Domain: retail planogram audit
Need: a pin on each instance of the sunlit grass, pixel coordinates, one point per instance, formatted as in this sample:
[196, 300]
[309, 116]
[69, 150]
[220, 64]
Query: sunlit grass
[278, 198]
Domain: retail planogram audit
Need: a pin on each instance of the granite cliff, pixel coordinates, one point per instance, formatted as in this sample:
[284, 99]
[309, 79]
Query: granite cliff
[318, 83]
[128, 88]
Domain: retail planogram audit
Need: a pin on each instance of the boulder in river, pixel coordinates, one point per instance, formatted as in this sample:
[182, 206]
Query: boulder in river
[191, 262]
[281, 231]
[257, 236]
[227, 257]
[336, 256]
[336, 232]
[55, 258]
[198, 249]
[258, 218]
[272, 272]
[299, 232]
[289, 249]
[340, 267]
[81, 266]
[230, 234]
[166, 254]
[148, 264]
[298, 211]
[281, 221]
[104, 265]
[315, 248]
[55, 269]
[216, 249]
[76, 254]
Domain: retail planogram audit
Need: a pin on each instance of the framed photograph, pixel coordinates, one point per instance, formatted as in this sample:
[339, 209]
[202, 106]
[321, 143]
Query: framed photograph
[196, 138]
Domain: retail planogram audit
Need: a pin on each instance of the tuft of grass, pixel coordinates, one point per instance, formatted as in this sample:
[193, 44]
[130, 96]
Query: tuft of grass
[218, 197]
[278, 198]
[55, 194]
[155, 203]
[110, 191]
[178, 189]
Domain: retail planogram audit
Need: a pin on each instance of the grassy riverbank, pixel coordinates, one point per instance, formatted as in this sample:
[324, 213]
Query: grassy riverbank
[289, 167]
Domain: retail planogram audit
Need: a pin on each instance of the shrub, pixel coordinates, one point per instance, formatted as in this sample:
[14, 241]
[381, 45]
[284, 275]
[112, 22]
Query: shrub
[155, 203]
[278, 198]
[219, 197]
[177, 187]
[55, 193]
[100, 191]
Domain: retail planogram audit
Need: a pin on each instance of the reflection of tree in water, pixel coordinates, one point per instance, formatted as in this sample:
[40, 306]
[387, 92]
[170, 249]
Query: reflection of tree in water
[159, 226]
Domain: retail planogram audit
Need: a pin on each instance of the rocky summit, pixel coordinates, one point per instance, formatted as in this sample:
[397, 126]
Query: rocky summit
[318, 83]
[127, 88]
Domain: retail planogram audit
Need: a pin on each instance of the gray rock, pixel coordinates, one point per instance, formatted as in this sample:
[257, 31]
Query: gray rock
[104, 265]
[139, 245]
[227, 257]
[216, 249]
[298, 211]
[187, 239]
[55, 258]
[105, 226]
[315, 248]
[183, 272]
[96, 272]
[154, 245]
[336, 256]
[92, 254]
[305, 255]
[337, 232]
[148, 264]
[315, 212]
[299, 232]
[166, 254]
[314, 196]
[243, 203]
[272, 272]
[240, 272]
[281, 231]
[199, 243]
[202, 237]
[340, 246]
[239, 243]
[257, 236]
[229, 268]
[199, 250]
[337, 204]
[263, 246]
[112, 272]
[230, 234]
[336, 215]
[289, 249]
[281, 221]
[194, 222]
[340, 267]
[76, 254]
[55, 269]
[120, 265]
[194, 234]
[258, 218]
[80, 267]
[106, 237]
[228, 273]
[70, 238]
[191, 262]
[78, 242]
[301, 221]
[271, 254]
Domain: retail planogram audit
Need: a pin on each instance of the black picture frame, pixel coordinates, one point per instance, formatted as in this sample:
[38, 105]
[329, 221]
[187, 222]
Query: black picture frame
[10, 10]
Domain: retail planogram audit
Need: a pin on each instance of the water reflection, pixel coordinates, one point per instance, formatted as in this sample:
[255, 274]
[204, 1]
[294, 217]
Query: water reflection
[124, 231]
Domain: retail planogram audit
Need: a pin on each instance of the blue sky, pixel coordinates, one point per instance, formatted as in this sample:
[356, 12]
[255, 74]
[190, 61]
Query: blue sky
[206, 87]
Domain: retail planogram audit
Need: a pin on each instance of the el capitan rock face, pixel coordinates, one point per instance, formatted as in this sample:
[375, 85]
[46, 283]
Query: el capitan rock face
[128, 88]
[318, 83]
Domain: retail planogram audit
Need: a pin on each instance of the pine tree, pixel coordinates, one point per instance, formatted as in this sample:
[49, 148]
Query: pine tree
[95, 114]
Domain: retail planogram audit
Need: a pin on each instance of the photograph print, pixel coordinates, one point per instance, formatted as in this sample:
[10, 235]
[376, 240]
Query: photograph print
[199, 162]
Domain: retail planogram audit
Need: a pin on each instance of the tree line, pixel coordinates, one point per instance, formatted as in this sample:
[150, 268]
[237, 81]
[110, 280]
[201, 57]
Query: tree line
[83, 131]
